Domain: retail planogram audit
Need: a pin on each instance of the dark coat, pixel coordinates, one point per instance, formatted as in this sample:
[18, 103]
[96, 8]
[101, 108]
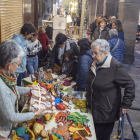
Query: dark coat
[104, 34]
[109, 25]
[54, 58]
[104, 90]
[119, 52]
[70, 69]
[84, 63]
[43, 39]
[93, 27]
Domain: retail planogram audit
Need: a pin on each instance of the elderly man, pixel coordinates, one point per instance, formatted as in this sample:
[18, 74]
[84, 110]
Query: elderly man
[104, 81]
[109, 25]
[117, 46]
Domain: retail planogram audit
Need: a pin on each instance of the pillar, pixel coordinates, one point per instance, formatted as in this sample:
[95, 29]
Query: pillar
[40, 8]
[92, 7]
[36, 13]
[129, 16]
[99, 7]
[110, 7]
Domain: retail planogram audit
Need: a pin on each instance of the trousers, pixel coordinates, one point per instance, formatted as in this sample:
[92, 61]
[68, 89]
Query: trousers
[103, 130]
[32, 64]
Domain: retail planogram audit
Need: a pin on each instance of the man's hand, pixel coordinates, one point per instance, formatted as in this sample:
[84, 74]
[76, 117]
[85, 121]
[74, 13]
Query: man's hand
[124, 110]
[49, 70]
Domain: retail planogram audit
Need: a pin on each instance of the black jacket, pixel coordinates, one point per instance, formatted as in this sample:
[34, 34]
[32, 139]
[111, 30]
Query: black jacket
[104, 90]
[93, 27]
[104, 34]
[54, 58]
[70, 69]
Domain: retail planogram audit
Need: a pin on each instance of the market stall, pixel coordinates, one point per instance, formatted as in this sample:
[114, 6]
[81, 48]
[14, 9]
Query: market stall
[66, 113]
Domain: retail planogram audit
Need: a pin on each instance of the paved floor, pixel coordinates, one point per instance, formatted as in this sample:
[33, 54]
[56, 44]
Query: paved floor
[134, 72]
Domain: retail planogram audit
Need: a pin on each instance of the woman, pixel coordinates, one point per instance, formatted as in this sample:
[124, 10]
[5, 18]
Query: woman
[11, 56]
[118, 26]
[95, 24]
[101, 32]
[84, 62]
[62, 45]
[43, 38]
[105, 79]
[33, 47]
[117, 46]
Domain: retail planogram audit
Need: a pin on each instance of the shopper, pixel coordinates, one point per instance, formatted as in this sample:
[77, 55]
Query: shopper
[112, 19]
[84, 62]
[101, 32]
[95, 24]
[117, 46]
[43, 38]
[118, 26]
[78, 19]
[105, 80]
[33, 47]
[11, 57]
[70, 65]
[88, 34]
[26, 33]
[62, 45]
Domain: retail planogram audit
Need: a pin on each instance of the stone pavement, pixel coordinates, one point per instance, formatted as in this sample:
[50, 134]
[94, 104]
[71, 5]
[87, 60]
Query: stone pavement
[134, 72]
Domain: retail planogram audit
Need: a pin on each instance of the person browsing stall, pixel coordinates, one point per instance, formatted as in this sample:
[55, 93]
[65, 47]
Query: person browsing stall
[11, 57]
[84, 62]
[33, 47]
[26, 33]
[62, 45]
[104, 81]
[69, 67]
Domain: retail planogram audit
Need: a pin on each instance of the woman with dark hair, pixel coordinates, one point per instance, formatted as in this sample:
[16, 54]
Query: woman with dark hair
[62, 45]
[118, 26]
[95, 24]
[84, 62]
[70, 64]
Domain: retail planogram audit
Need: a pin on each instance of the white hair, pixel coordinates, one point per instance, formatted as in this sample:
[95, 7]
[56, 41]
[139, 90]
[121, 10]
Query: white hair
[10, 51]
[103, 45]
[113, 33]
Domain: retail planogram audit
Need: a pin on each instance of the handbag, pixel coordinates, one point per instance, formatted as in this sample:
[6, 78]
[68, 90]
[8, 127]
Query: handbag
[56, 68]
[133, 130]
[115, 45]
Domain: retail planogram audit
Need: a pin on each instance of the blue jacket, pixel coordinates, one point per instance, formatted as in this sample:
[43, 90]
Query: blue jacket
[22, 42]
[119, 52]
[121, 35]
[84, 63]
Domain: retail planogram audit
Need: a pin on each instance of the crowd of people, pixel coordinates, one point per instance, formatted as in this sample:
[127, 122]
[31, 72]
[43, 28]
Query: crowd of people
[95, 63]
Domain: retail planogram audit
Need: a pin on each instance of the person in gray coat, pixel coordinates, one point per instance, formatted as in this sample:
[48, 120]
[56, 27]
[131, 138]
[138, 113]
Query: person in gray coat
[101, 32]
[11, 56]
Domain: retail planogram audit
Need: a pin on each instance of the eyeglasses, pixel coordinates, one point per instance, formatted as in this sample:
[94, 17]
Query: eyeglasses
[19, 65]
[95, 53]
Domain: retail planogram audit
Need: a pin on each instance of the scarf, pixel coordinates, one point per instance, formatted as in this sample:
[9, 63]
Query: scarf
[11, 82]
[98, 65]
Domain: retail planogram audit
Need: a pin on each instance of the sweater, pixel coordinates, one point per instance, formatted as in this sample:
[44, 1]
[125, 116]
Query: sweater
[8, 116]
[119, 52]
[43, 38]
[33, 47]
[84, 63]
[22, 42]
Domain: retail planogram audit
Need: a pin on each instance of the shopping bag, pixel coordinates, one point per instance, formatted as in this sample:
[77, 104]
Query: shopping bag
[133, 130]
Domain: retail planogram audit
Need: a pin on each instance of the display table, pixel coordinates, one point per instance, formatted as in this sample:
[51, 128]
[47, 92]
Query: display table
[89, 116]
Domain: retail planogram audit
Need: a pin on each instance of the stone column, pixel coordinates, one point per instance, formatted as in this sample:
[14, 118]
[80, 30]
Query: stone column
[129, 16]
[92, 7]
[99, 7]
[40, 8]
[110, 8]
